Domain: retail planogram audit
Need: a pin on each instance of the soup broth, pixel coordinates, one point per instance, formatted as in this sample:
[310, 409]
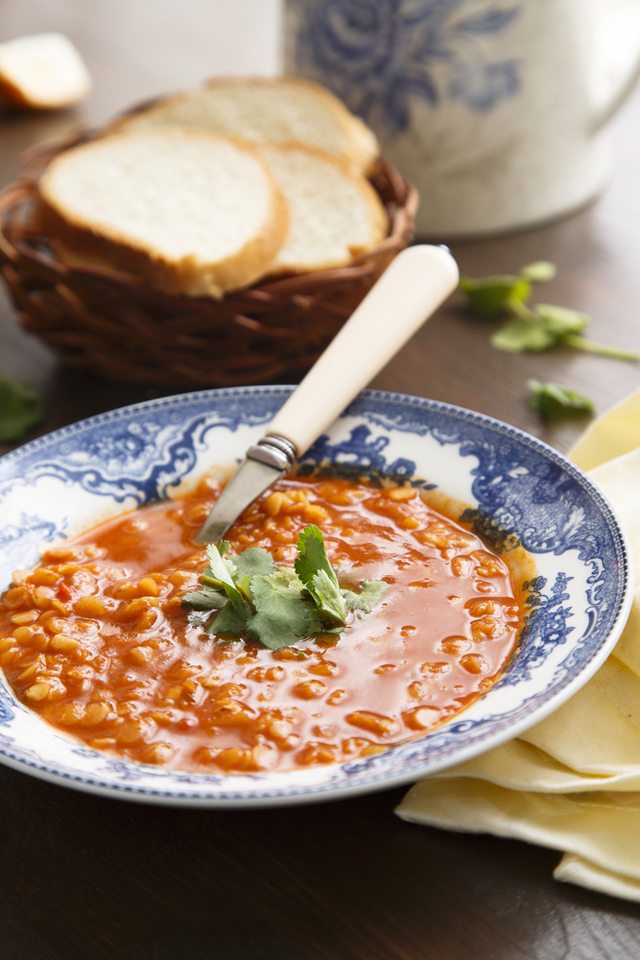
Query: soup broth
[96, 639]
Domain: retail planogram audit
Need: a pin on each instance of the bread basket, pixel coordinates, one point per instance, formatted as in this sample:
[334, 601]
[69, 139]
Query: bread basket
[109, 324]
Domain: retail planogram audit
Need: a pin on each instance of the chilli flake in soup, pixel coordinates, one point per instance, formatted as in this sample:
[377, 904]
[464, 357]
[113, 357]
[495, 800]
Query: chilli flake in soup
[117, 639]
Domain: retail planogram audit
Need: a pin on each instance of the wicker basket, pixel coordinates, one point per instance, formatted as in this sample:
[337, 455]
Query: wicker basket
[104, 322]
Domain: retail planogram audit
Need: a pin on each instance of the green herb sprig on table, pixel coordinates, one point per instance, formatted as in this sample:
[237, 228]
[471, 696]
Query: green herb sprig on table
[20, 409]
[554, 402]
[246, 594]
[533, 328]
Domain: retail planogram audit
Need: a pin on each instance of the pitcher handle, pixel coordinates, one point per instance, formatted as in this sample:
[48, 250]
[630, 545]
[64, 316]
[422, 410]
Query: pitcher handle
[627, 18]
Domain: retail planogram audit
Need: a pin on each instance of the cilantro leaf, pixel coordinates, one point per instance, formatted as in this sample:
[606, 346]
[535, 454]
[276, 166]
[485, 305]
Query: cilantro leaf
[553, 401]
[522, 334]
[312, 555]
[218, 574]
[204, 599]
[491, 295]
[327, 595]
[233, 618]
[20, 408]
[366, 599]
[539, 272]
[235, 613]
[282, 616]
[548, 326]
[253, 561]
[287, 575]
[559, 321]
[317, 574]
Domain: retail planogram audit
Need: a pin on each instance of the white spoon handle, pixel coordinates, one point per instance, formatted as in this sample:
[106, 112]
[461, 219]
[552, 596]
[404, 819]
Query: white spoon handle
[407, 293]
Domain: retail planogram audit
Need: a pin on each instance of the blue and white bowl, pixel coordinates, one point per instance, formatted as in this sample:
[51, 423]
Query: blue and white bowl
[81, 475]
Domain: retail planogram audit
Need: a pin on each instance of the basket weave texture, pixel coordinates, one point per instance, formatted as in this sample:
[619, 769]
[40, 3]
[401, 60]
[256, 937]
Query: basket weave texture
[112, 325]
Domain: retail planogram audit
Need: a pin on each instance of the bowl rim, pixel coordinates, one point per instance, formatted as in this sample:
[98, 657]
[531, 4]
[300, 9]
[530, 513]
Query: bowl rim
[274, 795]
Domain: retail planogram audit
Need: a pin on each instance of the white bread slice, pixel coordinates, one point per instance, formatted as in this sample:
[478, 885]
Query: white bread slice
[187, 211]
[42, 72]
[283, 108]
[334, 212]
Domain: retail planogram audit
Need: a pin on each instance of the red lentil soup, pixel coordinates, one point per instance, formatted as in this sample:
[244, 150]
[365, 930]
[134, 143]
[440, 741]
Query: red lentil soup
[96, 640]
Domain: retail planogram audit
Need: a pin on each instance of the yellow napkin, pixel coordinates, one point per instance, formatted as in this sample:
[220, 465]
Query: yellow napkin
[572, 782]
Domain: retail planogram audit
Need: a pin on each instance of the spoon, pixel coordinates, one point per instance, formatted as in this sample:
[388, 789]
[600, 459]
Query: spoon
[412, 287]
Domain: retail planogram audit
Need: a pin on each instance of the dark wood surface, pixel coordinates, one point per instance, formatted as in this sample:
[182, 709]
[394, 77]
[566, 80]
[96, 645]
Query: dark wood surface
[86, 878]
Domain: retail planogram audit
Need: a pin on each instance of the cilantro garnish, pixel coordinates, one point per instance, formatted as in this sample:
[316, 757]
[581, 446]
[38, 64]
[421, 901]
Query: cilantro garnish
[533, 328]
[318, 576]
[248, 595]
[553, 401]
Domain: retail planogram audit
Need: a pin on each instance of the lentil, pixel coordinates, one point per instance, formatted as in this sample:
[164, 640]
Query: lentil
[95, 639]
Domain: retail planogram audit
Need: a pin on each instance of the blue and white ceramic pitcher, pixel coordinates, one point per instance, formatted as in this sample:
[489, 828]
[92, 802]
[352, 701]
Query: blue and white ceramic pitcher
[495, 109]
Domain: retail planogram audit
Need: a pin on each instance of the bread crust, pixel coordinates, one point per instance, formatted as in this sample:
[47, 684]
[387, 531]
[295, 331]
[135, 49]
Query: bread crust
[68, 81]
[77, 239]
[353, 241]
[359, 144]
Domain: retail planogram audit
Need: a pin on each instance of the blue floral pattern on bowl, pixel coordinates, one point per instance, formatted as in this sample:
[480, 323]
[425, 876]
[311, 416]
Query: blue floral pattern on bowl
[377, 55]
[517, 490]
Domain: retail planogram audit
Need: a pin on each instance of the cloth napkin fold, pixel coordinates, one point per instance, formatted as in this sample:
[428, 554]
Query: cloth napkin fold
[572, 782]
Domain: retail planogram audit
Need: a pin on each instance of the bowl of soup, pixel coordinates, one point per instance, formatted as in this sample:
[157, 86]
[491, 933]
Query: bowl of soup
[488, 579]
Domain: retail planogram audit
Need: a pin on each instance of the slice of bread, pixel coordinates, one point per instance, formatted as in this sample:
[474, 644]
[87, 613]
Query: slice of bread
[42, 72]
[187, 211]
[334, 213]
[284, 108]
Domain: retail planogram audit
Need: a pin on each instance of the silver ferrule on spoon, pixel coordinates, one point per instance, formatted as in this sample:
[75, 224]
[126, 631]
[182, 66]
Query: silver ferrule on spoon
[268, 460]
[407, 293]
[276, 451]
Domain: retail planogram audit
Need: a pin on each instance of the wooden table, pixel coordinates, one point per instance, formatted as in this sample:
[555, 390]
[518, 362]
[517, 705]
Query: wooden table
[85, 878]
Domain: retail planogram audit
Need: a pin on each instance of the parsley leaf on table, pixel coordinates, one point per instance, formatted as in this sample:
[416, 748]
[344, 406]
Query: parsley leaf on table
[20, 409]
[247, 594]
[534, 328]
[491, 295]
[553, 401]
[538, 329]
[541, 271]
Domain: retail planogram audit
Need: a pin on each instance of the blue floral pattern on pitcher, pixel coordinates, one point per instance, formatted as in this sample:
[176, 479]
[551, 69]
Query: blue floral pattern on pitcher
[379, 54]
